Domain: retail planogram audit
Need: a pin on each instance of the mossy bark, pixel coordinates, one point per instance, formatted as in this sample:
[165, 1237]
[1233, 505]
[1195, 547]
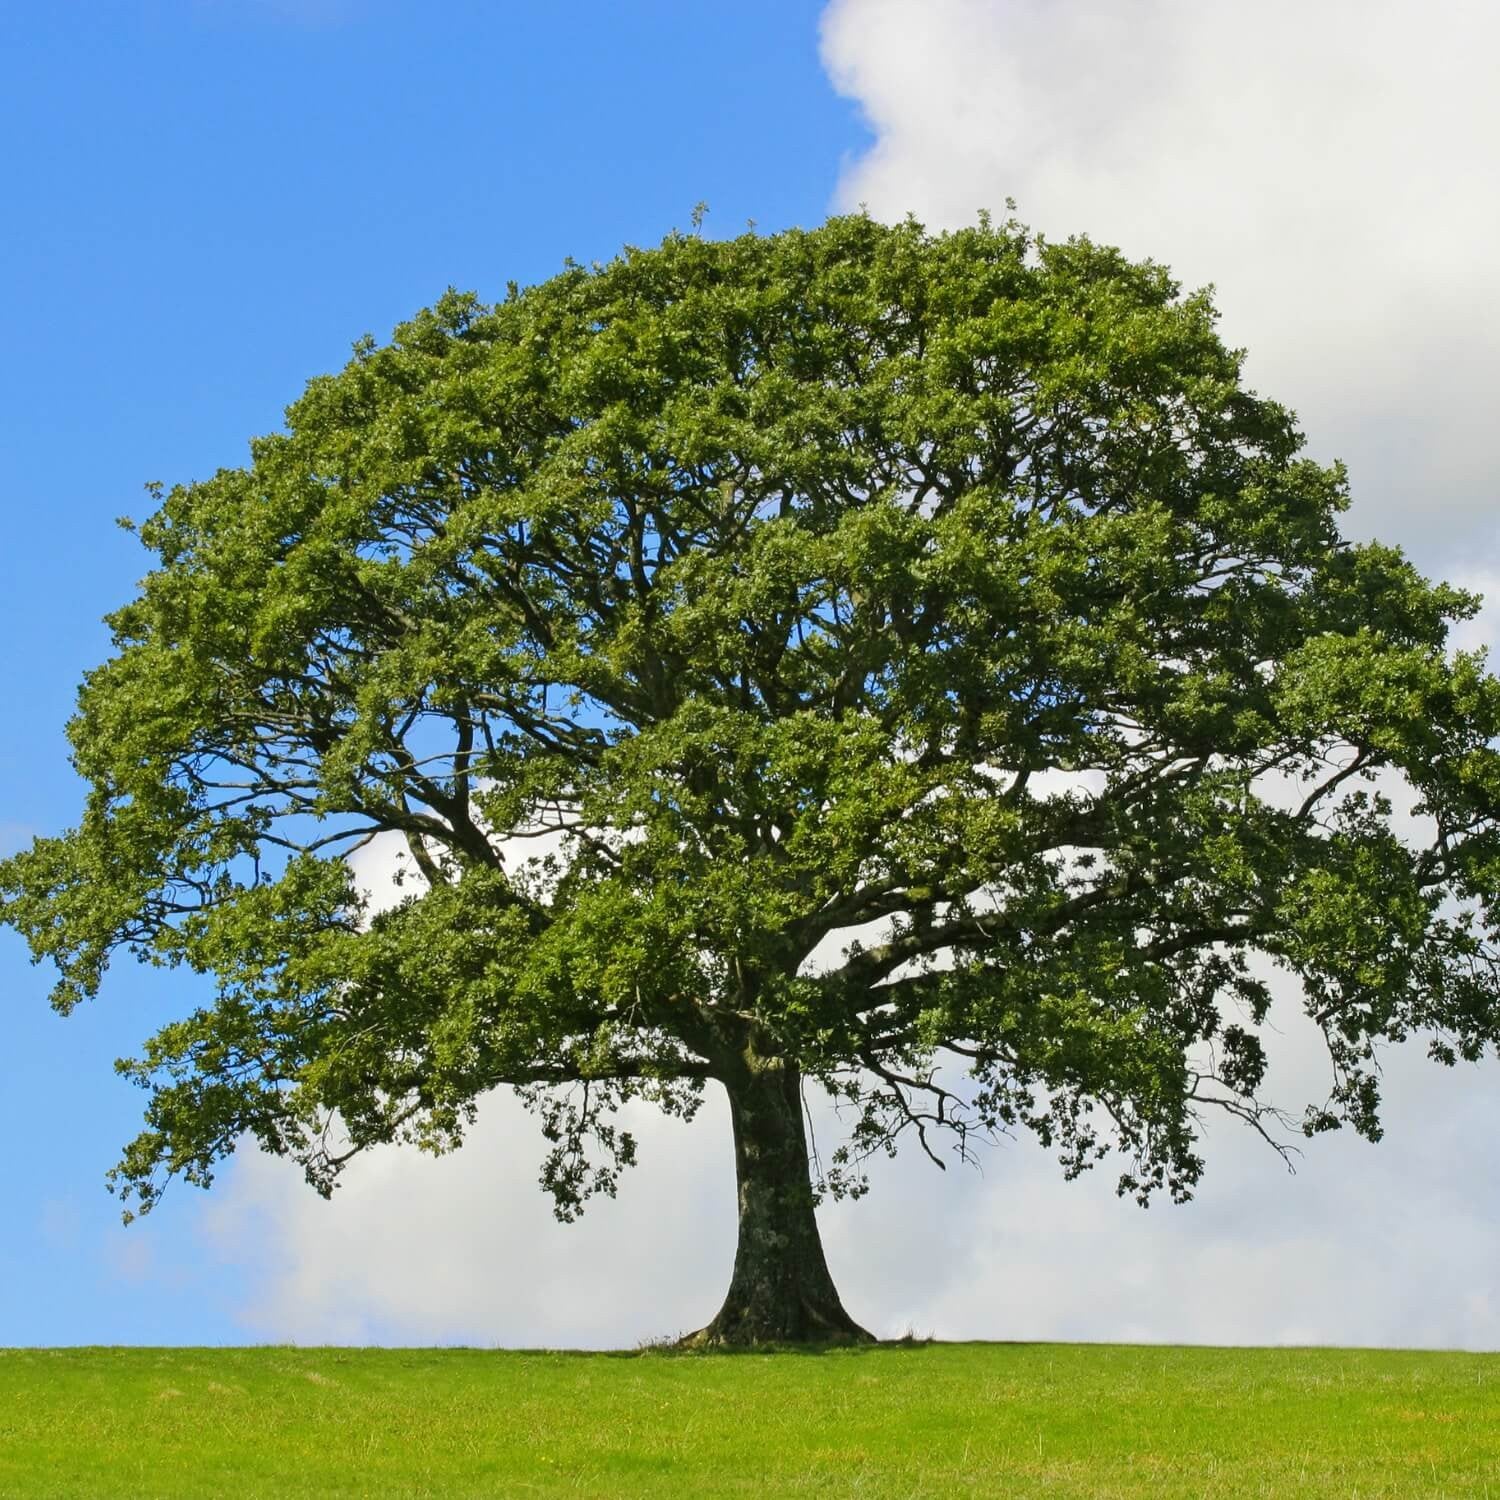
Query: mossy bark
[781, 1291]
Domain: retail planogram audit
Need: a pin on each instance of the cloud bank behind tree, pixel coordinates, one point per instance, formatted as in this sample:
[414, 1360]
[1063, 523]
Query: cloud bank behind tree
[1331, 169]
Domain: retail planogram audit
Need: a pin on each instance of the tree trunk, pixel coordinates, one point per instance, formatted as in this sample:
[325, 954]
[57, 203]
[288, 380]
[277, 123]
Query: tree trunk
[781, 1292]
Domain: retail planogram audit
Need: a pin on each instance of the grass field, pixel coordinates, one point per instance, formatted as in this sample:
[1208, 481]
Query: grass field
[1012, 1420]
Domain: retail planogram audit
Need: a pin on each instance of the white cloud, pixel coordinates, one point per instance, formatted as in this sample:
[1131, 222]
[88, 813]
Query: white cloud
[383, 870]
[1388, 1245]
[1374, 1245]
[1484, 629]
[463, 1248]
[1332, 168]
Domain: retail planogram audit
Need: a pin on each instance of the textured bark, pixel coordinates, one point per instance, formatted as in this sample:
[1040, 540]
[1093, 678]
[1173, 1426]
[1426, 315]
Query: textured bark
[781, 1291]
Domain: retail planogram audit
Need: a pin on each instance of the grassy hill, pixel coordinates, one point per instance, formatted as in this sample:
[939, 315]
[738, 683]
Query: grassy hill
[1018, 1420]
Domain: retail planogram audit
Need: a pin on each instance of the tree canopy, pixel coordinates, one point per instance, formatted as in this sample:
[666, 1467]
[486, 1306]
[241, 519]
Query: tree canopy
[928, 670]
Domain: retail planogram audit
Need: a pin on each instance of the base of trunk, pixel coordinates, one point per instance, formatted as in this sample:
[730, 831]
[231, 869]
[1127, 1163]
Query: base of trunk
[739, 1325]
[780, 1291]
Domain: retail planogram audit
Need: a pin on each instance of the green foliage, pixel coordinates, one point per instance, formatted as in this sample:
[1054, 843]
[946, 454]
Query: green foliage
[799, 584]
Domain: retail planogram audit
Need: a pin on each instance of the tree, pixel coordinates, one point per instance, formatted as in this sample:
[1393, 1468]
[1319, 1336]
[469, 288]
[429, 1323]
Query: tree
[943, 681]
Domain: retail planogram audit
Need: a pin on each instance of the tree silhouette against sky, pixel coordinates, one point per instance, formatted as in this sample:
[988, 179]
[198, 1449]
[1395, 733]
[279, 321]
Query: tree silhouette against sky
[927, 670]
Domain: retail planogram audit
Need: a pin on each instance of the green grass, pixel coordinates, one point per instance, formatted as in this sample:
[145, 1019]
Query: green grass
[1011, 1420]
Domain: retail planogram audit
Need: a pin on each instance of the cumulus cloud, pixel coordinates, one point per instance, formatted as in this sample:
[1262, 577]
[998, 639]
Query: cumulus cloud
[1483, 631]
[463, 1248]
[1365, 1245]
[1331, 168]
[1387, 1245]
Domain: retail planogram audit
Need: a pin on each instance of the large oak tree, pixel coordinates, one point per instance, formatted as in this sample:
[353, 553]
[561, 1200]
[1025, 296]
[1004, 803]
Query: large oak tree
[946, 587]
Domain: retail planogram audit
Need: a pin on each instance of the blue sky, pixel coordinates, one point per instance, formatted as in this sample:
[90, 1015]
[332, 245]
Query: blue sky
[208, 201]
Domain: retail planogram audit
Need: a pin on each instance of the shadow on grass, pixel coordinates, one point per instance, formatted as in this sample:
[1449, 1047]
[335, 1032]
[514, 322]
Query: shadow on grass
[671, 1348]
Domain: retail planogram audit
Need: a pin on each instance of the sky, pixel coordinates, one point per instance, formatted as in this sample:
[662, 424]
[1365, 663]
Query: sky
[210, 200]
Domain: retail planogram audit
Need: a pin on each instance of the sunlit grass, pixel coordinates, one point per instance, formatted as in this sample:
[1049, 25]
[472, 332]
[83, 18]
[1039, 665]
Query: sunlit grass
[1010, 1420]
